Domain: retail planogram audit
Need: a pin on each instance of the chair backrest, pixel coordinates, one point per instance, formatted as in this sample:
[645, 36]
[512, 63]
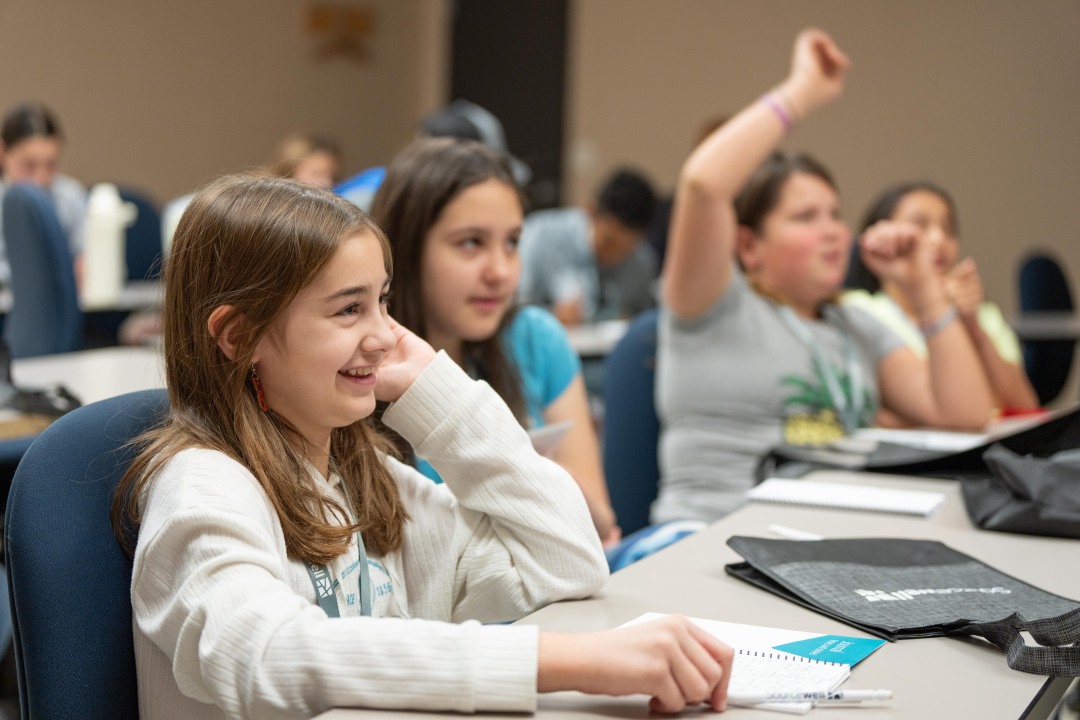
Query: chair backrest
[1045, 288]
[631, 427]
[143, 246]
[45, 316]
[68, 577]
[1043, 285]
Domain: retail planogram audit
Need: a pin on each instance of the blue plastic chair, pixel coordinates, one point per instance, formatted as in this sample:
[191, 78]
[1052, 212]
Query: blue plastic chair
[360, 189]
[1044, 288]
[143, 247]
[631, 427]
[45, 316]
[69, 580]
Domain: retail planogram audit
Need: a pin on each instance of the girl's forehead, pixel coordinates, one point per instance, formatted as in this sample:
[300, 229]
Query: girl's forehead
[924, 200]
[803, 186]
[358, 261]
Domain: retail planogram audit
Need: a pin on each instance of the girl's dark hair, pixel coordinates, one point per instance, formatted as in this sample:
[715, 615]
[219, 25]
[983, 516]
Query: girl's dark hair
[761, 194]
[420, 182]
[859, 276]
[29, 120]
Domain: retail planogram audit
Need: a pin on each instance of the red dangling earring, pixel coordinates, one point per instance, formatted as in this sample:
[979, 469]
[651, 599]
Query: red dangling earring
[256, 381]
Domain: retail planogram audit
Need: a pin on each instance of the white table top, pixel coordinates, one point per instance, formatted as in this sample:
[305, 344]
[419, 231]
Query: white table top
[139, 295]
[93, 375]
[931, 677]
[596, 339]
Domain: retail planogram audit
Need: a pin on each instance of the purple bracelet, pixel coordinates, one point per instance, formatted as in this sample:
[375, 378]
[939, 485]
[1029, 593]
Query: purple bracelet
[780, 110]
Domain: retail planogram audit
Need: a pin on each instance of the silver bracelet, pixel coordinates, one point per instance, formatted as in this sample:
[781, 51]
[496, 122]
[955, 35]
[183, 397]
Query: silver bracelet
[931, 329]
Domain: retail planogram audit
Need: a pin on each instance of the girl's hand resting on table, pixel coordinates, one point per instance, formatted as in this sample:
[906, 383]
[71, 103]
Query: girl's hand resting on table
[671, 659]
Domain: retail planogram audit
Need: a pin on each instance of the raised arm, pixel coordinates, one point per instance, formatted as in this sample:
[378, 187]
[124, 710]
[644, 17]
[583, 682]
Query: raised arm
[701, 245]
[949, 389]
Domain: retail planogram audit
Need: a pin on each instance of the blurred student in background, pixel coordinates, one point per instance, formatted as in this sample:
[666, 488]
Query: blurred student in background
[930, 210]
[753, 350]
[308, 158]
[453, 213]
[31, 146]
[592, 264]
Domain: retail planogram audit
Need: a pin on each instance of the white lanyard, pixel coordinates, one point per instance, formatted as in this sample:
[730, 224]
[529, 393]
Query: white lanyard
[848, 409]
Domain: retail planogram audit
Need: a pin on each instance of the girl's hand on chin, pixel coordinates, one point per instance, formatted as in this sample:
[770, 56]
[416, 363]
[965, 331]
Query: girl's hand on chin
[403, 364]
[898, 252]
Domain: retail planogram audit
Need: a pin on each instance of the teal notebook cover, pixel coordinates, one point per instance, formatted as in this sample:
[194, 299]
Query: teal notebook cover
[832, 648]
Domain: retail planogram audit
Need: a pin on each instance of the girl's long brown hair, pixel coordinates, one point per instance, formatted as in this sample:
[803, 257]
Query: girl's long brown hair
[252, 243]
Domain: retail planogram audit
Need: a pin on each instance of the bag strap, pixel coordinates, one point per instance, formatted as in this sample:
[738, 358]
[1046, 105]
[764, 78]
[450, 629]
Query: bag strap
[1053, 657]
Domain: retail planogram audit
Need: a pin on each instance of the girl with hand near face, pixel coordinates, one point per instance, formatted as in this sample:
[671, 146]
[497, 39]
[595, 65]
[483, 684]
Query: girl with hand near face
[453, 214]
[30, 148]
[923, 209]
[286, 562]
[753, 350]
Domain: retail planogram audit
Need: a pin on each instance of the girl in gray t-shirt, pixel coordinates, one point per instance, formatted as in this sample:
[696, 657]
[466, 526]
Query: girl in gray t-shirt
[753, 350]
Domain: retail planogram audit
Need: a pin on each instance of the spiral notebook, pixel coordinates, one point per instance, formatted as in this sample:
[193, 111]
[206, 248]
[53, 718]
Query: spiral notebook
[847, 497]
[755, 672]
[777, 660]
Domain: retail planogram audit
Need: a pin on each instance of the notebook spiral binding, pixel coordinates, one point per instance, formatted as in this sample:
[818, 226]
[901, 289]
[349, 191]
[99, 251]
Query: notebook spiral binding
[789, 658]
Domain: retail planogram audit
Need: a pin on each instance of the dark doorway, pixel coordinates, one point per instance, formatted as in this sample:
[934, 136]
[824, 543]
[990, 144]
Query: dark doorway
[509, 56]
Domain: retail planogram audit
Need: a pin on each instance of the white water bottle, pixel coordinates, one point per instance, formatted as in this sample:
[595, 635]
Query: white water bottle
[104, 264]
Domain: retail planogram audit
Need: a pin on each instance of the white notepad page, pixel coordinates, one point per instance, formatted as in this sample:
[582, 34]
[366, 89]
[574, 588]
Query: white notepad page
[938, 440]
[777, 672]
[847, 497]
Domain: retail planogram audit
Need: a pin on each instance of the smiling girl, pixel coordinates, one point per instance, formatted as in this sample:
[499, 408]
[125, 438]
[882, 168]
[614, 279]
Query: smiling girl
[285, 563]
[753, 351]
[453, 214]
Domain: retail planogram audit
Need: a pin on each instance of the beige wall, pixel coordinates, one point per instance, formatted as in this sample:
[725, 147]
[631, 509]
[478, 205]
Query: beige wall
[981, 95]
[165, 95]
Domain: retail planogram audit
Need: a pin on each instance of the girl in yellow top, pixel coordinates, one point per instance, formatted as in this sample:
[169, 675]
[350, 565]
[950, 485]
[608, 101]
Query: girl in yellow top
[929, 210]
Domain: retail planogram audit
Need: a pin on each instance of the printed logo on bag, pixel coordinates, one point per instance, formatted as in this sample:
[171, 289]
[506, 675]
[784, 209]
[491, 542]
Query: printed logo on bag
[909, 594]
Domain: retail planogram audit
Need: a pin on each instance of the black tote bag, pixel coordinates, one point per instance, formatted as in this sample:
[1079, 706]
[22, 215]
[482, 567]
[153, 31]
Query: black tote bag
[1026, 494]
[1059, 432]
[899, 589]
